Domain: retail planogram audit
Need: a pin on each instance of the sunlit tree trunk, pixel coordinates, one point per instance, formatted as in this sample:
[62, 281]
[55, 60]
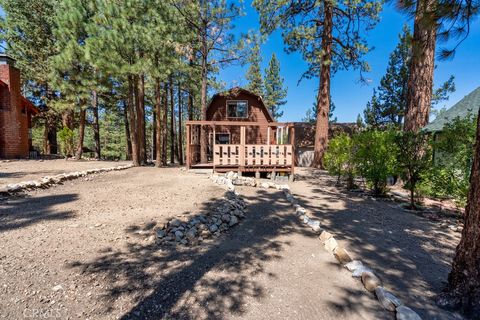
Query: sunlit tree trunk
[159, 129]
[463, 290]
[128, 155]
[180, 129]
[164, 125]
[323, 97]
[172, 122]
[96, 124]
[422, 65]
[133, 121]
[81, 133]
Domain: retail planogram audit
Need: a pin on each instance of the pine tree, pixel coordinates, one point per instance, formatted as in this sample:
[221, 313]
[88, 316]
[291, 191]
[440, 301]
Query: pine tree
[275, 92]
[215, 45]
[389, 100]
[327, 35]
[254, 73]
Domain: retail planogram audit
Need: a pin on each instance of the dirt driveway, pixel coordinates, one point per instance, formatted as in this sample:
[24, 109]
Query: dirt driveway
[86, 249]
[411, 254]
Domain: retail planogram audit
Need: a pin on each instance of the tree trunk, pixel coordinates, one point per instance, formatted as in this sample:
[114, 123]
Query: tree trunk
[422, 65]
[50, 133]
[133, 122]
[463, 289]
[81, 133]
[323, 97]
[127, 132]
[158, 123]
[96, 124]
[154, 132]
[180, 129]
[164, 125]
[190, 105]
[172, 122]
[140, 107]
[68, 117]
[203, 95]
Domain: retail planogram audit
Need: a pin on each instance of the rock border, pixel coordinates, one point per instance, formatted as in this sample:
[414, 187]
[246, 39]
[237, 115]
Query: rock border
[49, 181]
[370, 280]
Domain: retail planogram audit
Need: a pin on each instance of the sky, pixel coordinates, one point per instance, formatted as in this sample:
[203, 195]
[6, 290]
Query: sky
[348, 94]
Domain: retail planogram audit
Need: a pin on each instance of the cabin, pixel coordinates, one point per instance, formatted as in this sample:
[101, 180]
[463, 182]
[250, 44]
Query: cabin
[241, 136]
[15, 114]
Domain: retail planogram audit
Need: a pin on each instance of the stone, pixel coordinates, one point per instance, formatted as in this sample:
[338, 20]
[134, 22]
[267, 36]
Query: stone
[387, 299]
[226, 217]
[183, 241]
[405, 313]
[192, 233]
[213, 228]
[357, 273]
[57, 288]
[230, 185]
[237, 182]
[370, 281]
[331, 244]
[306, 219]
[175, 223]
[264, 185]
[324, 236]
[178, 235]
[233, 221]
[353, 265]
[161, 233]
[300, 210]
[342, 255]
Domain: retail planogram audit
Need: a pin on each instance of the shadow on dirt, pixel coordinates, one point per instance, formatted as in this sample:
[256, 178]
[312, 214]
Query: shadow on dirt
[411, 254]
[24, 211]
[204, 281]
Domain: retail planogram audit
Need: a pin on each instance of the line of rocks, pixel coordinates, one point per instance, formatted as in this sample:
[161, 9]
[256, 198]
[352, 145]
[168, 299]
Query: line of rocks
[221, 216]
[49, 181]
[370, 280]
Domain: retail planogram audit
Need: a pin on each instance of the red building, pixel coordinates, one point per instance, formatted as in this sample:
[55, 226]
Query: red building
[15, 113]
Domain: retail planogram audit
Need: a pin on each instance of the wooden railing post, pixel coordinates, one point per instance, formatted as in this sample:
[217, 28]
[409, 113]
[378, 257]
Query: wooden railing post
[242, 146]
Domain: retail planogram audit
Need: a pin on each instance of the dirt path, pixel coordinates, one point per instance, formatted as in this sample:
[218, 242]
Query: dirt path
[15, 171]
[86, 250]
[411, 254]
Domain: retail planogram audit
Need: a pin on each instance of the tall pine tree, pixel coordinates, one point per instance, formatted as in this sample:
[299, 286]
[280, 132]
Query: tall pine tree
[254, 73]
[275, 92]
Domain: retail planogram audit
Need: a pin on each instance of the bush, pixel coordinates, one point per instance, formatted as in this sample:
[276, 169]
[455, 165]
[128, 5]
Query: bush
[375, 157]
[67, 137]
[339, 160]
[413, 159]
[449, 176]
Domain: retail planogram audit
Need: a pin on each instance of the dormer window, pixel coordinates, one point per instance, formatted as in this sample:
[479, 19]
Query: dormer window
[237, 109]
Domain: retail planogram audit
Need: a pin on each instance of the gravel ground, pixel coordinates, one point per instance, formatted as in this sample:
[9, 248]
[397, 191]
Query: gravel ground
[86, 249]
[15, 171]
[411, 254]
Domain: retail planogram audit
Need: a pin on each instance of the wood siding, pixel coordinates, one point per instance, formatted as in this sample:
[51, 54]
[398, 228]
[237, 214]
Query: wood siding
[217, 111]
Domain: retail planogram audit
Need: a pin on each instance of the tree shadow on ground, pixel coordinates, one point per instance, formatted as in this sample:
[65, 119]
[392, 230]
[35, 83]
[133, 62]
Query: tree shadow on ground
[204, 281]
[411, 254]
[22, 211]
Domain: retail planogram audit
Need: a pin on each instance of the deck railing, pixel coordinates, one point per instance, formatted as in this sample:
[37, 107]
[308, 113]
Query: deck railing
[253, 155]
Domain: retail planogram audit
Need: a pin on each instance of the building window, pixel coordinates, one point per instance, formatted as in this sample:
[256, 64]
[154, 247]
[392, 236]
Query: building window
[222, 138]
[237, 109]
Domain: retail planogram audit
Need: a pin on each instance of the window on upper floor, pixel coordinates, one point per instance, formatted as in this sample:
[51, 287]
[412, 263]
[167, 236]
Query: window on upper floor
[237, 109]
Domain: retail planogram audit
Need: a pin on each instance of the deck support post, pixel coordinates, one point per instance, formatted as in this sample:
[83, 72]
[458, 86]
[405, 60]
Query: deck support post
[257, 174]
[189, 141]
[213, 147]
[273, 175]
[242, 147]
[292, 142]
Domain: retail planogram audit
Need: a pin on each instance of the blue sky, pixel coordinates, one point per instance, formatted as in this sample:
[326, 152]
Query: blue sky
[348, 94]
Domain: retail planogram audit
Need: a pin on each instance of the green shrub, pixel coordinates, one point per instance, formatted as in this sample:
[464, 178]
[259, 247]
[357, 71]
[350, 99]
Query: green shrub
[339, 160]
[375, 157]
[67, 137]
[413, 159]
[449, 175]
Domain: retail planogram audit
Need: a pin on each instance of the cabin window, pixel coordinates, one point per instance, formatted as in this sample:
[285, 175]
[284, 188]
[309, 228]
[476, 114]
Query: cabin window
[237, 109]
[222, 138]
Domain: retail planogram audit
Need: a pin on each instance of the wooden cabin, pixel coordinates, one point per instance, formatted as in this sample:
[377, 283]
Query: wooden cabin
[241, 136]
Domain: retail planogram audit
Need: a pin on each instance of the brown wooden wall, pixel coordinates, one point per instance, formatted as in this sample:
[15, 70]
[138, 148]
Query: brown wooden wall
[217, 111]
